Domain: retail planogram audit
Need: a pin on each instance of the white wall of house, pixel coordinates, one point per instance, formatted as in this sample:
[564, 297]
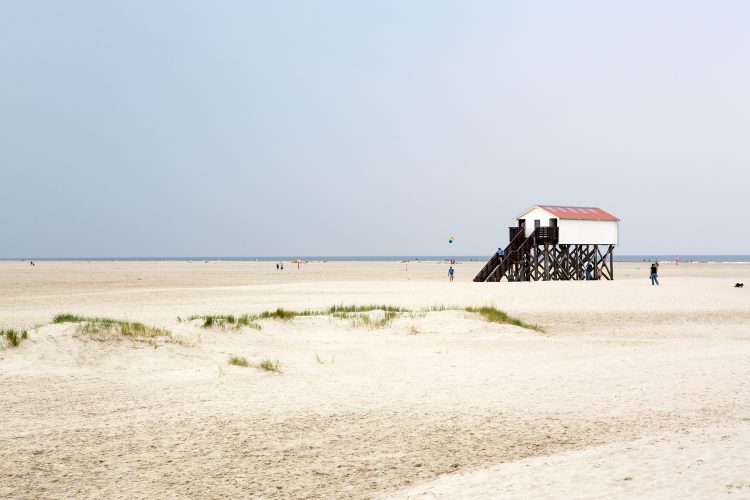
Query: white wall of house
[533, 214]
[587, 232]
[574, 232]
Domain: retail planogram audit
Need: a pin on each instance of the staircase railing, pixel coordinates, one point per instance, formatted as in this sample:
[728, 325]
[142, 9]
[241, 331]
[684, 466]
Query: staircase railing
[488, 268]
[495, 261]
[511, 257]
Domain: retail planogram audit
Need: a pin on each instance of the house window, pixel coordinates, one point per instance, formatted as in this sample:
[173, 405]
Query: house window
[553, 222]
[537, 223]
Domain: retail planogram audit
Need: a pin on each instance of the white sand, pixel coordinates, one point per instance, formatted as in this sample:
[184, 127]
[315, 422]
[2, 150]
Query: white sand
[633, 390]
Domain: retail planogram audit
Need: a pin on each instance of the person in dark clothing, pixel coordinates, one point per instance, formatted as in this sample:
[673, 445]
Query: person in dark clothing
[589, 267]
[654, 274]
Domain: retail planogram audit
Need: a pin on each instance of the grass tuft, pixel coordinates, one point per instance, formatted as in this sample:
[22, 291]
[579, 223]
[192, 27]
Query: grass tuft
[360, 317]
[269, 366]
[285, 314]
[227, 321]
[99, 326]
[239, 361]
[438, 308]
[14, 337]
[68, 318]
[322, 361]
[494, 315]
[365, 320]
[339, 309]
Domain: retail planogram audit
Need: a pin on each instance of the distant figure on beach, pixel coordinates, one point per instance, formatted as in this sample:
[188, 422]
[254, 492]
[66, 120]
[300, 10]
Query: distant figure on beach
[654, 273]
[739, 285]
[282, 266]
[588, 268]
[277, 266]
[450, 273]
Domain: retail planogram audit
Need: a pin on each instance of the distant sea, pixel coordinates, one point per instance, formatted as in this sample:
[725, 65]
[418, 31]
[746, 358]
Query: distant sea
[390, 258]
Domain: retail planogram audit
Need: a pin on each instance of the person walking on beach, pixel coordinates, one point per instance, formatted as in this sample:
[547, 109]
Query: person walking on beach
[654, 274]
[588, 269]
[277, 266]
[450, 273]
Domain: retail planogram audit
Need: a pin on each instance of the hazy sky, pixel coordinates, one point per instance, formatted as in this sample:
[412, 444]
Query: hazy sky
[147, 128]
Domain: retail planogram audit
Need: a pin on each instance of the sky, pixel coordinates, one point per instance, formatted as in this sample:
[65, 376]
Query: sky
[240, 128]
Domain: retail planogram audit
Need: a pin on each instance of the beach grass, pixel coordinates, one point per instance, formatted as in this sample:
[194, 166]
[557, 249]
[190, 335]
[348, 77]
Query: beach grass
[268, 365]
[438, 308]
[68, 318]
[239, 361]
[344, 309]
[358, 316]
[280, 313]
[14, 337]
[227, 321]
[494, 315]
[365, 320]
[322, 361]
[285, 314]
[99, 326]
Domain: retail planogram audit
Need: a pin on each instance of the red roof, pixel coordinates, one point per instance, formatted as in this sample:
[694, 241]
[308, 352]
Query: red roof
[578, 213]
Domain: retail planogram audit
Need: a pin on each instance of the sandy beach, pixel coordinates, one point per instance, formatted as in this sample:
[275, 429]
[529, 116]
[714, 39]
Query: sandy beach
[631, 390]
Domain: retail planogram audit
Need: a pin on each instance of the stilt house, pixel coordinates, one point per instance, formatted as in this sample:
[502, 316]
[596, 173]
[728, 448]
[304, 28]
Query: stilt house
[552, 242]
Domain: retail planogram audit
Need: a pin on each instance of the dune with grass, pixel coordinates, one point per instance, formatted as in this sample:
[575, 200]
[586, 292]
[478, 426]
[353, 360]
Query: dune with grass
[368, 380]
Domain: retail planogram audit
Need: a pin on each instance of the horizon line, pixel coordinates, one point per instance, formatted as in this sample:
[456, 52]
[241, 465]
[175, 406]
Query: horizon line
[318, 257]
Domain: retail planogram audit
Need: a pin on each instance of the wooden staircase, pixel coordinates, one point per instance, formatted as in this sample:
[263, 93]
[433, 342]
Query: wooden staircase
[497, 266]
[517, 254]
